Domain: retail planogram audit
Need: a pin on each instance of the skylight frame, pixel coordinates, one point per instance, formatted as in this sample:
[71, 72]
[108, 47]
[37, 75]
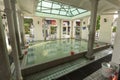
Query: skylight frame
[69, 11]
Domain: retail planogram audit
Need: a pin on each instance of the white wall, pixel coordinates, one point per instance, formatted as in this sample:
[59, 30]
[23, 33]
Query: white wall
[116, 50]
[105, 28]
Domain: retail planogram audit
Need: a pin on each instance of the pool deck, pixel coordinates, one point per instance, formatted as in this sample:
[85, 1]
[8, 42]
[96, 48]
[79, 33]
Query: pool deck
[61, 70]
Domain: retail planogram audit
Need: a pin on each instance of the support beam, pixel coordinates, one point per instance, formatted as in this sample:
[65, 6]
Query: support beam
[13, 42]
[5, 72]
[115, 3]
[59, 28]
[44, 28]
[81, 21]
[16, 28]
[72, 29]
[116, 51]
[22, 31]
[94, 5]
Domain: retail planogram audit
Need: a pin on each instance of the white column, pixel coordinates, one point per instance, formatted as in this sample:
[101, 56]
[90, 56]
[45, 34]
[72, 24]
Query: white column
[116, 51]
[59, 29]
[71, 29]
[21, 26]
[5, 72]
[94, 5]
[44, 28]
[81, 28]
[16, 28]
[67, 30]
[9, 13]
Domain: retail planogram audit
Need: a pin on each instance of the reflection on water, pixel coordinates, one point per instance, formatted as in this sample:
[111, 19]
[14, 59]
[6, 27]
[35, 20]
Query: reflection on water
[42, 52]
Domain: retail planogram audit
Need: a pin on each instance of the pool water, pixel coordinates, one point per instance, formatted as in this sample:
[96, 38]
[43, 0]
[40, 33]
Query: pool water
[46, 51]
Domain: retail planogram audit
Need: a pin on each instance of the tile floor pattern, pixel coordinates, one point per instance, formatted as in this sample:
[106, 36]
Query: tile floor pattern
[56, 72]
[42, 52]
[96, 76]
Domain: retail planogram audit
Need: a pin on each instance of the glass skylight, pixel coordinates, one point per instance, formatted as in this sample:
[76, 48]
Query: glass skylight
[51, 7]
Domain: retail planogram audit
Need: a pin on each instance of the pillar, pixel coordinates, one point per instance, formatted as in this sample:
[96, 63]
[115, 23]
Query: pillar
[71, 29]
[16, 28]
[59, 28]
[5, 72]
[22, 30]
[13, 42]
[116, 50]
[44, 28]
[94, 4]
[81, 29]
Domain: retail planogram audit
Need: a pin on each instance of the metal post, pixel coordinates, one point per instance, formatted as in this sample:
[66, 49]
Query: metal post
[13, 42]
[71, 29]
[5, 72]
[16, 28]
[94, 5]
[59, 29]
[22, 31]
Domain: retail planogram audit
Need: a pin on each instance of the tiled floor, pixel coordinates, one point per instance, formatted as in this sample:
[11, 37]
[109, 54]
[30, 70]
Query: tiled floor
[42, 52]
[61, 70]
[96, 76]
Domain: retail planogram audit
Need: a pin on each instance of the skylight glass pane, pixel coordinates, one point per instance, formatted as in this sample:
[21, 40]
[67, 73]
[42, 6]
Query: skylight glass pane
[38, 8]
[62, 9]
[52, 7]
[39, 3]
[56, 6]
[75, 12]
[46, 4]
[46, 11]
[66, 7]
[81, 10]
[44, 8]
[62, 12]
[55, 11]
[72, 9]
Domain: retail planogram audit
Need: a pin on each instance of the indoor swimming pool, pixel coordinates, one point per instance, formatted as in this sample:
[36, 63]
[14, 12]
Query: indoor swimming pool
[46, 51]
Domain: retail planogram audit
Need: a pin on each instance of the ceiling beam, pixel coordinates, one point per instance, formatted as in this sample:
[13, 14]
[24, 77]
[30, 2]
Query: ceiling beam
[115, 3]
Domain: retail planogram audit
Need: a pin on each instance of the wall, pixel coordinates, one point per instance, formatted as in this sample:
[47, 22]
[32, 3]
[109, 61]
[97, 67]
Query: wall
[105, 28]
[116, 50]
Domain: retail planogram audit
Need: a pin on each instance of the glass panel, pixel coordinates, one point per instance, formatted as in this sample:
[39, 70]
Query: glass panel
[72, 9]
[55, 11]
[39, 3]
[62, 12]
[47, 11]
[56, 6]
[62, 9]
[46, 4]
[81, 10]
[44, 8]
[69, 14]
[66, 7]
[38, 8]
[75, 12]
